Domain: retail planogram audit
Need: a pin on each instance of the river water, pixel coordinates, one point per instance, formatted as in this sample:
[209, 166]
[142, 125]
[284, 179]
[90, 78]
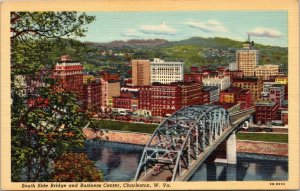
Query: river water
[119, 162]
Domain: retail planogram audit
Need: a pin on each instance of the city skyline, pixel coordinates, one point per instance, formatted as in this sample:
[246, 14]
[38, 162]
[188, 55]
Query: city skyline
[264, 27]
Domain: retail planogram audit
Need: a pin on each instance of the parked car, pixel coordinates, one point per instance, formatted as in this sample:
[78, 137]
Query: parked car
[268, 129]
[255, 129]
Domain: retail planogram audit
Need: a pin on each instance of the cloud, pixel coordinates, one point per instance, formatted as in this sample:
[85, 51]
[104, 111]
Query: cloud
[209, 26]
[163, 28]
[265, 32]
[130, 33]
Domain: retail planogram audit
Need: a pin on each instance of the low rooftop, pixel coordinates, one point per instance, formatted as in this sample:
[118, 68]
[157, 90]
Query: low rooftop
[246, 79]
[234, 89]
[277, 85]
[265, 103]
[209, 88]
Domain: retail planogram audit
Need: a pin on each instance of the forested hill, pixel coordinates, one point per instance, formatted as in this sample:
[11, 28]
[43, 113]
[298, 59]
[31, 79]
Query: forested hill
[197, 51]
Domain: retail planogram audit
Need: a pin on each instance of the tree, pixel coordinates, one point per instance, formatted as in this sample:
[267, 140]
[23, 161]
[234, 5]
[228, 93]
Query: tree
[75, 167]
[45, 123]
[37, 25]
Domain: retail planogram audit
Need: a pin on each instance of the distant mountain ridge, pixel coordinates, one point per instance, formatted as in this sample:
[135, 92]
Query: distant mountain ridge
[132, 43]
[215, 42]
[199, 51]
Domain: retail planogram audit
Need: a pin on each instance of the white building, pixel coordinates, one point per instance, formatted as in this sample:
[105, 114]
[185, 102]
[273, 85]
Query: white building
[266, 87]
[166, 72]
[266, 71]
[233, 66]
[222, 82]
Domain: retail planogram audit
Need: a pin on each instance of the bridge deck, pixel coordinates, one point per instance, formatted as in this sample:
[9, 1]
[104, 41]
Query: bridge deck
[162, 175]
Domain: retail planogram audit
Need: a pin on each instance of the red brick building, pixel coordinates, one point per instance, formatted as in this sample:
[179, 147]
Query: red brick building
[255, 85]
[69, 75]
[266, 111]
[285, 117]
[122, 102]
[204, 97]
[126, 100]
[193, 77]
[234, 74]
[194, 69]
[92, 95]
[237, 94]
[164, 100]
[109, 76]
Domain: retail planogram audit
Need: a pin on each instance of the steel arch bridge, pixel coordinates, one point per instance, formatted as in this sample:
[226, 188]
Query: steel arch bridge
[182, 139]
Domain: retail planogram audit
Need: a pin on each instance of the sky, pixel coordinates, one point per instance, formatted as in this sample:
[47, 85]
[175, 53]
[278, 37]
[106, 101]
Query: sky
[264, 27]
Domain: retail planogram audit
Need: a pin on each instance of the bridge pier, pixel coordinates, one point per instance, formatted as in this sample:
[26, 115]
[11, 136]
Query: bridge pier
[231, 149]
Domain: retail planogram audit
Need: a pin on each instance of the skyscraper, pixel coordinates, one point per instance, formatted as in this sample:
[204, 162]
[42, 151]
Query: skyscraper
[247, 58]
[140, 72]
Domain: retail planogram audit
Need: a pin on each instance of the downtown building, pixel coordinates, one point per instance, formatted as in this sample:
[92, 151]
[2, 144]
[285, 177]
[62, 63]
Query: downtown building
[255, 86]
[193, 77]
[222, 82]
[234, 74]
[266, 88]
[127, 100]
[276, 93]
[281, 80]
[166, 72]
[237, 95]
[266, 71]
[92, 95]
[140, 72]
[213, 92]
[247, 59]
[165, 99]
[266, 111]
[69, 75]
[110, 87]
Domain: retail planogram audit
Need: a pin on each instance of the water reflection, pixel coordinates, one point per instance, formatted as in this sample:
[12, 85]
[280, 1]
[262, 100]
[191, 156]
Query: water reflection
[119, 162]
[257, 169]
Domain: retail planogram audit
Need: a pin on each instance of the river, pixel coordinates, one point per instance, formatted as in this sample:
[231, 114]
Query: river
[119, 162]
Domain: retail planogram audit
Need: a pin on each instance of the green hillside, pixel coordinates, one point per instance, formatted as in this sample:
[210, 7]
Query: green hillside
[196, 51]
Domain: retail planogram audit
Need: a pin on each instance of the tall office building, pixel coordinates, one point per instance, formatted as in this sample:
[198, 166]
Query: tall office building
[69, 75]
[166, 72]
[140, 72]
[247, 59]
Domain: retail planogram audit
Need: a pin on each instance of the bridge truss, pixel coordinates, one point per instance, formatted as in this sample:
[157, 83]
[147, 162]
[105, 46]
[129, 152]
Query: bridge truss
[182, 138]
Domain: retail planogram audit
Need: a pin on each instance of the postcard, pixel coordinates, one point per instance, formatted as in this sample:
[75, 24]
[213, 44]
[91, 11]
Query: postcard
[149, 95]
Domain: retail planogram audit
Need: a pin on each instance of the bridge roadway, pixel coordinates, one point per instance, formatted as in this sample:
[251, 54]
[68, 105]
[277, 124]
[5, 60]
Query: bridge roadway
[164, 175]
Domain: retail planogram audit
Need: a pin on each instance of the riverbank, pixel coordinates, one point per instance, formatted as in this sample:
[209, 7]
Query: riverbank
[244, 146]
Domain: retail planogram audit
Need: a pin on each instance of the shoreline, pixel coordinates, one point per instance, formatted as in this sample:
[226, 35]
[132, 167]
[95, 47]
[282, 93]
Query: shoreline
[243, 146]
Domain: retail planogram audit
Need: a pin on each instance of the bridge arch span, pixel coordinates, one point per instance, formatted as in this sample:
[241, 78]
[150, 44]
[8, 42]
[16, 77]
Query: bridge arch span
[181, 139]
